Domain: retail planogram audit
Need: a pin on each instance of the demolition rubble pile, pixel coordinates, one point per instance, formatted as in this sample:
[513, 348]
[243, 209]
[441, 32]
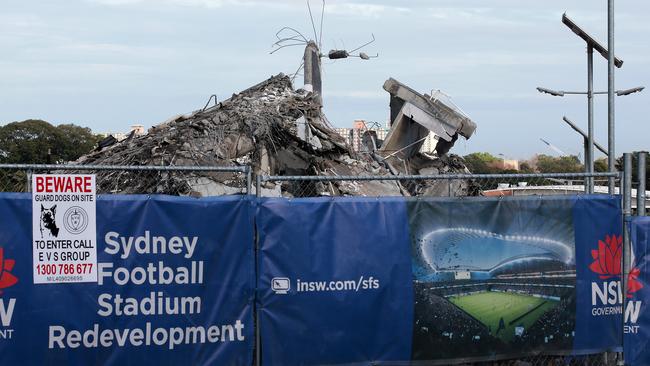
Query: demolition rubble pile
[272, 128]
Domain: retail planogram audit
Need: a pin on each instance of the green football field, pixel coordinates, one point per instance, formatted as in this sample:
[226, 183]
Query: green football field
[490, 307]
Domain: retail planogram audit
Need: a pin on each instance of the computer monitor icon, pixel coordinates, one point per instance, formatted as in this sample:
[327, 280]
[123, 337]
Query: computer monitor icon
[280, 285]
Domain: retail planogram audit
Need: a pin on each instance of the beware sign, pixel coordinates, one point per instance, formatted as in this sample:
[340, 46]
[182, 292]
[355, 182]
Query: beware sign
[64, 230]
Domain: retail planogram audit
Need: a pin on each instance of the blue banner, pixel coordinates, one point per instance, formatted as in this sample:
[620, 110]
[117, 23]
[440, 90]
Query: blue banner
[335, 281]
[637, 316]
[599, 247]
[356, 281]
[340, 281]
[176, 287]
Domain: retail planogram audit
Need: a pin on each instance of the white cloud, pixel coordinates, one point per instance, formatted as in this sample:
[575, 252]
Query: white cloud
[116, 2]
[135, 53]
[201, 3]
[340, 7]
[362, 9]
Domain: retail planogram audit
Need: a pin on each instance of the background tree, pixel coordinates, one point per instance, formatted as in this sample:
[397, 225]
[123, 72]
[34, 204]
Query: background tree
[635, 176]
[482, 163]
[526, 167]
[28, 142]
[562, 164]
[600, 165]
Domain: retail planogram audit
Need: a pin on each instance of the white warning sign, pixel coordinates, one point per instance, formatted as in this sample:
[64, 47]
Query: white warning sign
[64, 228]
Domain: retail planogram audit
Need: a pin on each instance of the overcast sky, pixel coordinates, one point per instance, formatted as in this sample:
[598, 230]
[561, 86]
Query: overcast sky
[108, 64]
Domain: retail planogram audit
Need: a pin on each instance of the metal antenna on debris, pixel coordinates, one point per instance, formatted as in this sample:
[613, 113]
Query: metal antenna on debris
[213, 96]
[322, 16]
[439, 95]
[297, 39]
[311, 62]
[313, 25]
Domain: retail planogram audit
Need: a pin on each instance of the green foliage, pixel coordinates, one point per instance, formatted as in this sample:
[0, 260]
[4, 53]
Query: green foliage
[562, 164]
[482, 163]
[486, 163]
[600, 165]
[28, 142]
[635, 170]
[526, 168]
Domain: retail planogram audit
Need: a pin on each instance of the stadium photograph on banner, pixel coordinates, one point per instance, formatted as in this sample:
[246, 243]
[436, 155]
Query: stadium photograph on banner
[492, 277]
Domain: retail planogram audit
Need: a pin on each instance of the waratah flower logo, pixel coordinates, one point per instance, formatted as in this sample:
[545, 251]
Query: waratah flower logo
[607, 259]
[607, 263]
[7, 279]
[633, 283]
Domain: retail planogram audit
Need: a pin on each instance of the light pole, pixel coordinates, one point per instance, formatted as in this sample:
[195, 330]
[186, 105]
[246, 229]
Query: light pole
[592, 45]
[611, 142]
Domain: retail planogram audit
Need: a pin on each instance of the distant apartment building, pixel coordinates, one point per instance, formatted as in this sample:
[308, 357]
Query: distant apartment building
[509, 164]
[354, 135]
[429, 144]
[137, 130]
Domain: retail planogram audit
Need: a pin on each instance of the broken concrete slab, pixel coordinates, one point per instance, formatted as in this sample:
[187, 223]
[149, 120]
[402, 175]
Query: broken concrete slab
[447, 116]
[412, 112]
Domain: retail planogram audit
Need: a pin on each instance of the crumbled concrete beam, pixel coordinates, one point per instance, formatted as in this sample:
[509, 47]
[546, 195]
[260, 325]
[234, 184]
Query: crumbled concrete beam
[445, 116]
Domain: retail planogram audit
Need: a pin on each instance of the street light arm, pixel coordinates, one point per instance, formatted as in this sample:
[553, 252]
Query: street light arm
[619, 93]
[638, 89]
[583, 134]
[556, 93]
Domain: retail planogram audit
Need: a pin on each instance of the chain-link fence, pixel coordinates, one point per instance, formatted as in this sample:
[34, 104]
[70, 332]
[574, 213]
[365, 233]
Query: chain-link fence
[601, 359]
[197, 181]
[214, 181]
[448, 185]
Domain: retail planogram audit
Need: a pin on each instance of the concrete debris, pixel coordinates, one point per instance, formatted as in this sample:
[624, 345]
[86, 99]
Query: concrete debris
[272, 128]
[414, 115]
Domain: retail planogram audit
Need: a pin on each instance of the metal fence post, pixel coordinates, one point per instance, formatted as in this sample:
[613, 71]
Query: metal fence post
[258, 186]
[248, 180]
[258, 342]
[28, 183]
[640, 190]
[590, 123]
[627, 212]
[258, 335]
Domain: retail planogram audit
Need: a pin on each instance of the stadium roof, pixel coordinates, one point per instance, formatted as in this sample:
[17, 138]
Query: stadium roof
[479, 250]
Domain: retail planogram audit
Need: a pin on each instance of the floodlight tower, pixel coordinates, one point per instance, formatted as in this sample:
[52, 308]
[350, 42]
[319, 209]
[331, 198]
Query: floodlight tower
[592, 45]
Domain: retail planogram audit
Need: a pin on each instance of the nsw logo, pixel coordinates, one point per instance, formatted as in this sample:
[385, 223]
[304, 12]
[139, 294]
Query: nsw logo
[633, 283]
[607, 258]
[607, 264]
[7, 279]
